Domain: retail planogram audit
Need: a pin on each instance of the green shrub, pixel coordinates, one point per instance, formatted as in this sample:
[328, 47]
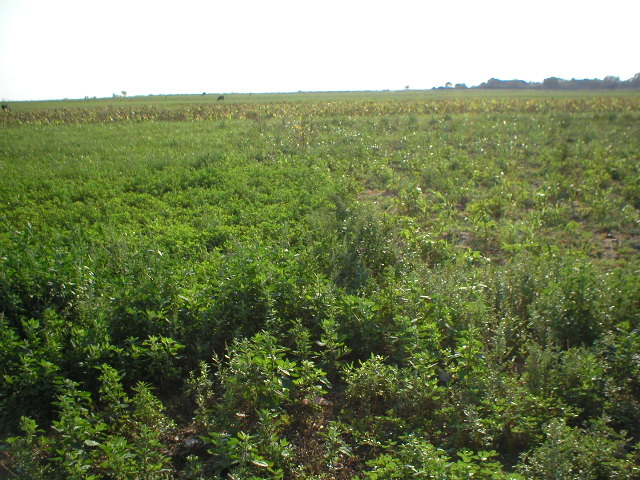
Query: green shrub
[78, 433]
[573, 453]
[415, 458]
[258, 376]
[155, 359]
[24, 456]
[383, 401]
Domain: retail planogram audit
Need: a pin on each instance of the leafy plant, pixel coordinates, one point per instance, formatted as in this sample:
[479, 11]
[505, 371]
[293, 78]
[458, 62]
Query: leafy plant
[417, 458]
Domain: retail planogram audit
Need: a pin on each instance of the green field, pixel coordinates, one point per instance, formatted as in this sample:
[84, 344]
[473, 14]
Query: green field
[373, 285]
[181, 101]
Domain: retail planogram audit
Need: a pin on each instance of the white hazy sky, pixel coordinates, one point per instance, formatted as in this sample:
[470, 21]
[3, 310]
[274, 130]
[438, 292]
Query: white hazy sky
[75, 48]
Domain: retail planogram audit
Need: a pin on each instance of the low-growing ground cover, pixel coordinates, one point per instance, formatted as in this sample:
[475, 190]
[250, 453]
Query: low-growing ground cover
[361, 288]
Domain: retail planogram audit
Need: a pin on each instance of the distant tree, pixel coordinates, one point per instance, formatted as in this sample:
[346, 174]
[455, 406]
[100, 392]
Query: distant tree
[555, 83]
[551, 83]
[124, 93]
[611, 82]
[491, 83]
[407, 87]
[460, 86]
[585, 84]
[509, 84]
[448, 85]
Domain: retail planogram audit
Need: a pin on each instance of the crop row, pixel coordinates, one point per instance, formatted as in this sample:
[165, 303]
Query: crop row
[315, 110]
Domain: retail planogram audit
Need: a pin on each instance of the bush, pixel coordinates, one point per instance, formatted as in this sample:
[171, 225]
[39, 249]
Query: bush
[568, 311]
[258, 375]
[580, 454]
[416, 458]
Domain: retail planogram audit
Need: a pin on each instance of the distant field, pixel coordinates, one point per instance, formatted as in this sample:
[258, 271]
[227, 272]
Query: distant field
[375, 285]
[309, 106]
[177, 101]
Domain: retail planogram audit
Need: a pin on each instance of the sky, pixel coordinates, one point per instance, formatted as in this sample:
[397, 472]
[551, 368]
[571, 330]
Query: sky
[76, 48]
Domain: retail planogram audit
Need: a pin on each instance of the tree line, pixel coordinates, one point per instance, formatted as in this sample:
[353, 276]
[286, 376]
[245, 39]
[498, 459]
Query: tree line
[555, 83]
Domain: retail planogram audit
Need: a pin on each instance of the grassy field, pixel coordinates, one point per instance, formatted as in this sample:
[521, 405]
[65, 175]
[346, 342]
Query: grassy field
[180, 101]
[373, 285]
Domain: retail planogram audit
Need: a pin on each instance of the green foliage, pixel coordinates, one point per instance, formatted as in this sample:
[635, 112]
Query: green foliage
[239, 455]
[200, 388]
[22, 455]
[417, 458]
[333, 345]
[568, 307]
[259, 375]
[340, 287]
[336, 448]
[156, 357]
[571, 453]
[148, 411]
[383, 401]
[372, 387]
[123, 441]
[78, 433]
[28, 372]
